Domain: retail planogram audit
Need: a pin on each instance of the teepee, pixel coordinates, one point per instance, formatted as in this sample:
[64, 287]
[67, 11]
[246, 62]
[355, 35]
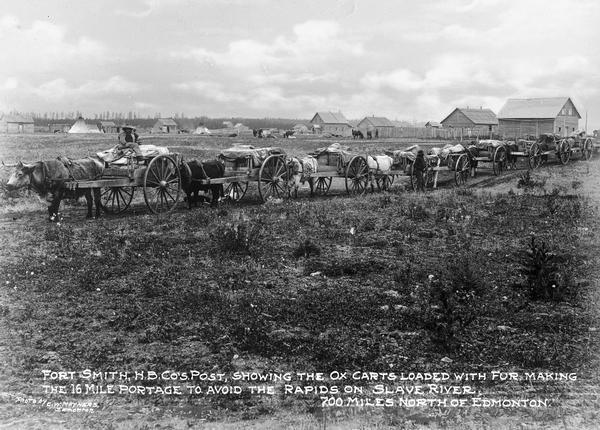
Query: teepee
[81, 127]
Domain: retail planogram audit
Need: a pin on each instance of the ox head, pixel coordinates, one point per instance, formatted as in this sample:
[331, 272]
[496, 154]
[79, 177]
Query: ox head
[21, 176]
[294, 166]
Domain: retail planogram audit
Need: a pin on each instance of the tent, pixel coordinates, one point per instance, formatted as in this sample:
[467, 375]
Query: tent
[201, 130]
[80, 126]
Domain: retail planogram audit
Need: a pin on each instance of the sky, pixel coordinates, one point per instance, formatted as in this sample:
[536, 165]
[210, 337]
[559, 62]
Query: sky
[406, 60]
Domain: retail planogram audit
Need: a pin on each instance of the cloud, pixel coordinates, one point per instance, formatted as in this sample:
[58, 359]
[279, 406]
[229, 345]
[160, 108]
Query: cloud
[42, 47]
[313, 41]
[148, 7]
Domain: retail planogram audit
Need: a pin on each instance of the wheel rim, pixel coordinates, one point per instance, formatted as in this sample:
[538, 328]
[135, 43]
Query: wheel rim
[462, 170]
[534, 156]
[357, 176]
[116, 200]
[563, 152]
[236, 190]
[162, 185]
[272, 178]
[587, 149]
[499, 160]
[323, 185]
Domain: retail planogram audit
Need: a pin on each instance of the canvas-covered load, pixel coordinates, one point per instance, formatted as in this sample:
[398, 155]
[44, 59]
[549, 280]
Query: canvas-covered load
[237, 156]
[444, 152]
[485, 147]
[446, 156]
[333, 155]
[119, 156]
[401, 156]
[488, 144]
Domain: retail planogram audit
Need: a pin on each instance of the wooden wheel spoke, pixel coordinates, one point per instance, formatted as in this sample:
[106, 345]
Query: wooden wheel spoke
[280, 168]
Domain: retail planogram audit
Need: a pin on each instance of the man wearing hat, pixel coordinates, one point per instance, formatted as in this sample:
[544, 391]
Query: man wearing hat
[129, 139]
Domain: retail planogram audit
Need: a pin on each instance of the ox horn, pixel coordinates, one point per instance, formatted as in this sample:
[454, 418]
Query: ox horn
[8, 165]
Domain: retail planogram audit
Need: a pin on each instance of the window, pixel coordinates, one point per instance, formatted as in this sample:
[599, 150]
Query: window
[570, 111]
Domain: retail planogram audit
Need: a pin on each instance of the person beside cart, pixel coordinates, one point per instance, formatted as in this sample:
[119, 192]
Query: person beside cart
[419, 167]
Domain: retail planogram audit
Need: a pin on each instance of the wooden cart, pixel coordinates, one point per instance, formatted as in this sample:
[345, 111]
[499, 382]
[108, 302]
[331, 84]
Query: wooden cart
[352, 168]
[550, 146]
[492, 152]
[158, 177]
[270, 174]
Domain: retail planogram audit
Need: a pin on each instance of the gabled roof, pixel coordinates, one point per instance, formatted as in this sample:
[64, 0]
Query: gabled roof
[433, 124]
[477, 116]
[16, 118]
[108, 124]
[378, 121]
[539, 108]
[167, 121]
[331, 118]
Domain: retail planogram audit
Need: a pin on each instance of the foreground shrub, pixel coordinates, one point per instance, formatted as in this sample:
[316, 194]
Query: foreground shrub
[528, 183]
[239, 237]
[548, 275]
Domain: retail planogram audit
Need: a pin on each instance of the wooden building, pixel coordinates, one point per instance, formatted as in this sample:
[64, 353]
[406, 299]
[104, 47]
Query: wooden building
[332, 123]
[378, 126]
[16, 124]
[468, 123]
[433, 124]
[108, 127]
[532, 117]
[165, 125]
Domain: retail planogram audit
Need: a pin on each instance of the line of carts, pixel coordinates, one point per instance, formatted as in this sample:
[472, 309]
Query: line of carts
[159, 177]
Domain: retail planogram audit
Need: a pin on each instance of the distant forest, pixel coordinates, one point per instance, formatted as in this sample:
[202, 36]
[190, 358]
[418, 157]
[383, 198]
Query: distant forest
[189, 123]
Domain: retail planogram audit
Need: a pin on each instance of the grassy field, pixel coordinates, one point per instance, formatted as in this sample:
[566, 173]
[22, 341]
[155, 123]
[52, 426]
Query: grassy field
[501, 275]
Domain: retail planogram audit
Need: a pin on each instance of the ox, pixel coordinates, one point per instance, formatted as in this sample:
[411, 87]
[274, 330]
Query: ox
[48, 178]
[357, 134]
[288, 134]
[379, 164]
[300, 171]
[198, 171]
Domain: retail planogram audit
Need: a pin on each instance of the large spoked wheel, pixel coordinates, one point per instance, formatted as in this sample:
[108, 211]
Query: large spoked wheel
[273, 178]
[322, 185]
[535, 156]
[588, 148]
[462, 169]
[162, 184]
[564, 151]
[116, 200]
[357, 175]
[500, 160]
[235, 191]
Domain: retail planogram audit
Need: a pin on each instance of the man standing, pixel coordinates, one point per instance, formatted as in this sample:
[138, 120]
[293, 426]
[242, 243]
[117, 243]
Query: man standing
[419, 170]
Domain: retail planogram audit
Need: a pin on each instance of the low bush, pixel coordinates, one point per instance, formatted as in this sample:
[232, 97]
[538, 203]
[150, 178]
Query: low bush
[549, 276]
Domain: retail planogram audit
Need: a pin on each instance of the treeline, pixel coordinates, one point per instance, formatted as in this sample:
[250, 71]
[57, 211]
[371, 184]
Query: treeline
[188, 123]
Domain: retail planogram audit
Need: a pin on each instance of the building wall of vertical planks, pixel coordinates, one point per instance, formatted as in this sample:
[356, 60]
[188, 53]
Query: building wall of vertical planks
[467, 123]
[533, 117]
